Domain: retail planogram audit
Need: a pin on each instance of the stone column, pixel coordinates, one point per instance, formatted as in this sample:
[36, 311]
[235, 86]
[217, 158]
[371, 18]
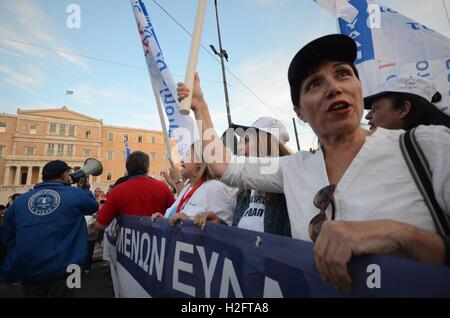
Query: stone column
[40, 174]
[17, 180]
[7, 171]
[29, 174]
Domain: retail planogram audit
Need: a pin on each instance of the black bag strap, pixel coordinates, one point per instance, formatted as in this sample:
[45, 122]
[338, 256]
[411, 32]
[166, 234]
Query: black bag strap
[421, 173]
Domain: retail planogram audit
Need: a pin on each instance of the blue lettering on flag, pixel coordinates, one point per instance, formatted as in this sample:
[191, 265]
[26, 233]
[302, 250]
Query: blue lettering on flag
[359, 31]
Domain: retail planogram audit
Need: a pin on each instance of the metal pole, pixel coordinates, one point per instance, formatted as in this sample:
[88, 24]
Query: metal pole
[446, 11]
[221, 51]
[296, 134]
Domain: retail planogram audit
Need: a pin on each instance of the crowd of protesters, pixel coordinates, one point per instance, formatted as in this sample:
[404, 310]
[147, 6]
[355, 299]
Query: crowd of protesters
[353, 196]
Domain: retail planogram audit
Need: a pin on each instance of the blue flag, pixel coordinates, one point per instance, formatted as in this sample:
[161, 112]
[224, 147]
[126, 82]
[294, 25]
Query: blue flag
[390, 44]
[127, 148]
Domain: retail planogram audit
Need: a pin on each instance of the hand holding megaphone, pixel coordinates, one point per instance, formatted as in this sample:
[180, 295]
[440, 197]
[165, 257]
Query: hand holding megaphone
[92, 167]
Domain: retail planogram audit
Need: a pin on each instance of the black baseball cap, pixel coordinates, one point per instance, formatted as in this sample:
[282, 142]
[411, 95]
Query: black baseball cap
[54, 169]
[330, 47]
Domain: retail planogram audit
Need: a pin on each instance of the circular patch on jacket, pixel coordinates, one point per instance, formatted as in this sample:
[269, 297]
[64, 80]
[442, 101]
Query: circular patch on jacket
[44, 202]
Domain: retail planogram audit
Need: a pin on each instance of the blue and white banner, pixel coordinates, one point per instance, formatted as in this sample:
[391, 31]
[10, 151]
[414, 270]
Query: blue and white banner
[390, 44]
[127, 148]
[156, 260]
[181, 128]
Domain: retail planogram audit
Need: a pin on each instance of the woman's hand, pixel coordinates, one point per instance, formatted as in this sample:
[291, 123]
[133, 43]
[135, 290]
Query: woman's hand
[201, 219]
[180, 216]
[338, 241]
[155, 216]
[198, 100]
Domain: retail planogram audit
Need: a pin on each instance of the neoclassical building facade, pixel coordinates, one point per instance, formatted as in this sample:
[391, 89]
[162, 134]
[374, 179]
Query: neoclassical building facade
[31, 138]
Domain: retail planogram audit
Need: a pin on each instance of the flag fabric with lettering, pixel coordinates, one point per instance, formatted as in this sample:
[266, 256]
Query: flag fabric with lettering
[390, 44]
[181, 127]
[127, 148]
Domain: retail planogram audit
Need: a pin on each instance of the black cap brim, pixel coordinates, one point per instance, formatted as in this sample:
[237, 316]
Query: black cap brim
[369, 99]
[330, 47]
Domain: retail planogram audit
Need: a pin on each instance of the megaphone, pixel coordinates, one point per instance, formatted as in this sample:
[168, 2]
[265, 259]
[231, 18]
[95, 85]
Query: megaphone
[92, 167]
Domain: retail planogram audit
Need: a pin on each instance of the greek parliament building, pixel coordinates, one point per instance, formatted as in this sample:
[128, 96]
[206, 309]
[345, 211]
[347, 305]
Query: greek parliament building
[31, 138]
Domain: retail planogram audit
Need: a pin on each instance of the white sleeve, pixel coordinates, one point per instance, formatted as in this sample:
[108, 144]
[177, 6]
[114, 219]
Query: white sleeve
[221, 200]
[435, 144]
[262, 174]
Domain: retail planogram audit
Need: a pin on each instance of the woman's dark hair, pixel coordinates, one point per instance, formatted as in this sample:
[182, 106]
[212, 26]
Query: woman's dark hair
[422, 112]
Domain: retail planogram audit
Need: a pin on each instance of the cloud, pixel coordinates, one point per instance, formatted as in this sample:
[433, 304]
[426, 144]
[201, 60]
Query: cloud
[95, 96]
[143, 121]
[28, 78]
[25, 14]
[266, 76]
[76, 60]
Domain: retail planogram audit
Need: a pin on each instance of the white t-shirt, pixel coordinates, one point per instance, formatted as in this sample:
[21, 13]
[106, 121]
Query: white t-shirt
[213, 196]
[253, 217]
[377, 185]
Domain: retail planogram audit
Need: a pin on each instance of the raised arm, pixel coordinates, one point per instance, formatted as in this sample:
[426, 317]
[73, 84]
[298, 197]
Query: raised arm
[216, 153]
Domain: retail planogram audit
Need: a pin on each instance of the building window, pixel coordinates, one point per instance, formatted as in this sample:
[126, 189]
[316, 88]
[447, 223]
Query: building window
[125, 137]
[154, 156]
[2, 127]
[33, 129]
[52, 128]
[140, 139]
[110, 155]
[108, 176]
[51, 149]
[87, 153]
[70, 150]
[110, 136]
[71, 131]
[2, 151]
[60, 151]
[62, 130]
[29, 151]
[88, 134]
[153, 140]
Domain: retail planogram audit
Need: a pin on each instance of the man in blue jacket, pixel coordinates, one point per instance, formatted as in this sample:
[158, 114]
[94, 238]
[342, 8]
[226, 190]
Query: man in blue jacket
[45, 231]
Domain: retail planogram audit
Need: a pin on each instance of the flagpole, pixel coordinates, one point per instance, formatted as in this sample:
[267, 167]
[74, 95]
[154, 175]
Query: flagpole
[446, 11]
[185, 106]
[161, 118]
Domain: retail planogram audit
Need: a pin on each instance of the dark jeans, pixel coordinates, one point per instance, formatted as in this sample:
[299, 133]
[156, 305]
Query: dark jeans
[55, 287]
[91, 247]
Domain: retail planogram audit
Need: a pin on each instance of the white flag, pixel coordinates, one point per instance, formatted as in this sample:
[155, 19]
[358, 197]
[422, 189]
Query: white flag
[182, 128]
[390, 44]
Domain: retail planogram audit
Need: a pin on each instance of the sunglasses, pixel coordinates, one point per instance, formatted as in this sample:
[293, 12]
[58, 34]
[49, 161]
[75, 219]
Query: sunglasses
[322, 201]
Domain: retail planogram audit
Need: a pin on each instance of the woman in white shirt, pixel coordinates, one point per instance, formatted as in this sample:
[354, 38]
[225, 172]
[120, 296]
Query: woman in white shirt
[355, 195]
[203, 193]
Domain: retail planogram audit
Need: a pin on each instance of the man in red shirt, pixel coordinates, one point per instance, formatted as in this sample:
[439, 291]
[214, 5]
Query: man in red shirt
[140, 195]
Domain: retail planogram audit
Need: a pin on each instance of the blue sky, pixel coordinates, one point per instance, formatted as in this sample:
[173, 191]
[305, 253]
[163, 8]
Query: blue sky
[260, 36]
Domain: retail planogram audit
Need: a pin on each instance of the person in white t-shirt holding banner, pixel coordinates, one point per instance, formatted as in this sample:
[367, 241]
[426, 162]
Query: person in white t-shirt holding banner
[203, 193]
[258, 210]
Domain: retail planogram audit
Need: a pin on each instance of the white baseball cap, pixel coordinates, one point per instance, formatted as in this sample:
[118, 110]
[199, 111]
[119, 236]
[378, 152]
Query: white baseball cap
[269, 125]
[402, 84]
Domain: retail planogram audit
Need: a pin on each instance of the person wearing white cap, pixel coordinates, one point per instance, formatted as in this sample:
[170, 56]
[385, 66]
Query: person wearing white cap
[404, 103]
[355, 195]
[257, 210]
